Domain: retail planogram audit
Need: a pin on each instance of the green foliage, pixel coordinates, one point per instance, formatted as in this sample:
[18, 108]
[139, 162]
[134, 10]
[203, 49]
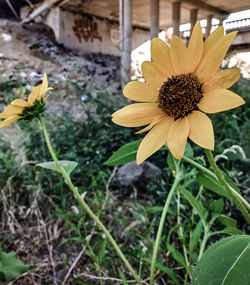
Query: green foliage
[11, 267]
[124, 154]
[68, 166]
[195, 204]
[226, 262]
[210, 183]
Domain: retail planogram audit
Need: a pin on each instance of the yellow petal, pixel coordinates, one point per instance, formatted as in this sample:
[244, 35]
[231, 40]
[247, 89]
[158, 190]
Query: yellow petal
[136, 115]
[214, 37]
[160, 53]
[222, 79]
[140, 91]
[213, 58]
[44, 86]
[201, 130]
[9, 121]
[4, 115]
[13, 110]
[178, 54]
[177, 137]
[34, 95]
[41, 95]
[219, 100]
[150, 126]
[195, 49]
[154, 140]
[20, 103]
[152, 74]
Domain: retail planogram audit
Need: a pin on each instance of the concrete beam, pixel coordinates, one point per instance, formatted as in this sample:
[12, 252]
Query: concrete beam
[154, 19]
[121, 22]
[41, 8]
[204, 6]
[209, 25]
[193, 18]
[176, 16]
[126, 39]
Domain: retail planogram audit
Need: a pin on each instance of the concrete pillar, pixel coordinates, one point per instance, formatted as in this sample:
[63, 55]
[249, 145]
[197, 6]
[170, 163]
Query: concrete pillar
[209, 25]
[154, 18]
[121, 23]
[193, 18]
[126, 38]
[176, 15]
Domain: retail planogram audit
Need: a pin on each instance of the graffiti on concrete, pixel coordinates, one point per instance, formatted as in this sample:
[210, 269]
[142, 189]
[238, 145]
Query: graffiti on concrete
[86, 29]
[115, 34]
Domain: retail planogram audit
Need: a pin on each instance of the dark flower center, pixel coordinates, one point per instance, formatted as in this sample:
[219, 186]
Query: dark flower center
[179, 95]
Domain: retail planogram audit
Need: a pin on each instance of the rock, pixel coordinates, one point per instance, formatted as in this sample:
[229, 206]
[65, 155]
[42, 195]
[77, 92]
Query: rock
[128, 173]
[131, 172]
[150, 171]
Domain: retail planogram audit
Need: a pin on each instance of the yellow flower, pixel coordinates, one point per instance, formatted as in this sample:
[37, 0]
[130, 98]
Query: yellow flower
[182, 84]
[26, 109]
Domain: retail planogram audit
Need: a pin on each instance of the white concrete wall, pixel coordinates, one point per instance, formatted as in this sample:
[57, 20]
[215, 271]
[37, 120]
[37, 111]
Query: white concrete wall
[88, 33]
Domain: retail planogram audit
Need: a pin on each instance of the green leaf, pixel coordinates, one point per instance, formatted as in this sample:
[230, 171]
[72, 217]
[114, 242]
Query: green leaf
[124, 280]
[10, 267]
[195, 203]
[210, 183]
[172, 162]
[232, 231]
[169, 272]
[138, 217]
[177, 255]
[124, 154]
[196, 234]
[188, 151]
[101, 252]
[217, 206]
[156, 209]
[226, 262]
[165, 269]
[227, 221]
[68, 165]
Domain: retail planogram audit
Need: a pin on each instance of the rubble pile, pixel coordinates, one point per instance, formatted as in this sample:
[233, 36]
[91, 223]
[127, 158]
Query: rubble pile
[26, 52]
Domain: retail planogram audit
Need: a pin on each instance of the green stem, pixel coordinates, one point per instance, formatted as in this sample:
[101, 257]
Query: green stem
[222, 181]
[204, 241]
[160, 228]
[192, 225]
[84, 205]
[205, 170]
[181, 236]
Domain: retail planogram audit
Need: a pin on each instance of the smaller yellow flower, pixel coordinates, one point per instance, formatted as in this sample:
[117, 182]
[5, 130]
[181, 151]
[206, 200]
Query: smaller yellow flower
[26, 109]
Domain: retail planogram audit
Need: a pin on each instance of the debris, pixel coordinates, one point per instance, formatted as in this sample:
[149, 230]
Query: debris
[6, 37]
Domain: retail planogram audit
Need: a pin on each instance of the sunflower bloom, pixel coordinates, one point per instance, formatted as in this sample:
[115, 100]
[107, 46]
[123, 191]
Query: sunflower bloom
[182, 84]
[26, 109]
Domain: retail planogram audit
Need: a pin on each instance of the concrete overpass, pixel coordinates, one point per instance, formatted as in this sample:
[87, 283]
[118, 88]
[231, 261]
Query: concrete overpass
[119, 26]
[242, 40]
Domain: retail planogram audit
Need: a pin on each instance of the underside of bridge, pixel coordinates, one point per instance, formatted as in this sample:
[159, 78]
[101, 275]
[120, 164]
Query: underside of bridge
[118, 26]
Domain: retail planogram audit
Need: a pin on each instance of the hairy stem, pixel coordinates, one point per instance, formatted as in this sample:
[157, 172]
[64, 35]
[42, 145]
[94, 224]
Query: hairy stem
[204, 241]
[84, 205]
[160, 228]
[222, 181]
[181, 236]
[205, 170]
